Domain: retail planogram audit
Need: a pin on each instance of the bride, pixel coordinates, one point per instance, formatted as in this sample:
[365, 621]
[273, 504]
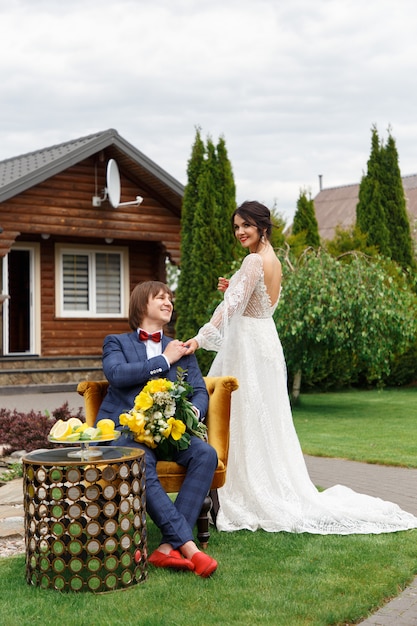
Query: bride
[268, 485]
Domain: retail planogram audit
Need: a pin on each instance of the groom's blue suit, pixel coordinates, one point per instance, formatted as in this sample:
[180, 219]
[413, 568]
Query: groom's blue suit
[127, 368]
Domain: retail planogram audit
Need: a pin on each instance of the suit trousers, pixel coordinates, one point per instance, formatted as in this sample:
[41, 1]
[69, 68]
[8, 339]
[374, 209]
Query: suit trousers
[176, 520]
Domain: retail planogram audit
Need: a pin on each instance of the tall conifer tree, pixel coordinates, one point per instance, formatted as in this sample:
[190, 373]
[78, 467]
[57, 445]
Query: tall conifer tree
[381, 211]
[206, 246]
[184, 292]
[395, 207]
[305, 220]
[370, 210]
[205, 242]
[226, 204]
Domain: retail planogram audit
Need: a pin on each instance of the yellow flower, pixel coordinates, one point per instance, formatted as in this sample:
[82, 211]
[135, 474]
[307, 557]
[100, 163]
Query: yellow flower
[138, 422]
[176, 428]
[134, 420]
[154, 410]
[143, 401]
[160, 384]
[147, 439]
[124, 419]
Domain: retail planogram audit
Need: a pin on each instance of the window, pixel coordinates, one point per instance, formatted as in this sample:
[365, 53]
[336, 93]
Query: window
[91, 282]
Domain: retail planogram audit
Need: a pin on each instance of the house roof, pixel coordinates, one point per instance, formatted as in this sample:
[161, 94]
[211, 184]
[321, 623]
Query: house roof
[336, 206]
[22, 172]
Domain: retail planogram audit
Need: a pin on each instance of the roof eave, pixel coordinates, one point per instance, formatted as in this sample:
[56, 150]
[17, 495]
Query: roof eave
[102, 141]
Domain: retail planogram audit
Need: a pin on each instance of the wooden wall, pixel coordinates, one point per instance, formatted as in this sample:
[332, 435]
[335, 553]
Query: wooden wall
[84, 336]
[62, 207]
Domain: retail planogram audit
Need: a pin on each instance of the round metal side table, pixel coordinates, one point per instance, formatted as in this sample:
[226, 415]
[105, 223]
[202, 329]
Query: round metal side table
[85, 519]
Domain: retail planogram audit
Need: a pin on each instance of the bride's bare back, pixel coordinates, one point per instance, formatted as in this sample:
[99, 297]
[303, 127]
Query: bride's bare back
[272, 273]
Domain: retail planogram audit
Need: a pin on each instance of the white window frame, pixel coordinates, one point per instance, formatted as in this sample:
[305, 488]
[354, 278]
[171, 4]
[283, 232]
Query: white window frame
[90, 252]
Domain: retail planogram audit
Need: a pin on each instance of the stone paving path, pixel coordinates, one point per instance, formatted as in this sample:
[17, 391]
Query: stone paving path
[11, 497]
[12, 530]
[396, 484]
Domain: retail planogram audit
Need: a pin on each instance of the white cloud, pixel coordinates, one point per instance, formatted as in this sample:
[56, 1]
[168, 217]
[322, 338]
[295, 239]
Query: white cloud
[294, 87]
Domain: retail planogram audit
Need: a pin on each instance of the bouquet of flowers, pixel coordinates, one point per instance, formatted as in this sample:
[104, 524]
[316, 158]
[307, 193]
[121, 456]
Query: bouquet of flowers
[162, 417]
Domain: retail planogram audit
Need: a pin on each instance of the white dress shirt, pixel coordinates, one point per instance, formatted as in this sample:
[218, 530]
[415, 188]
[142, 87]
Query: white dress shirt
[154, 348]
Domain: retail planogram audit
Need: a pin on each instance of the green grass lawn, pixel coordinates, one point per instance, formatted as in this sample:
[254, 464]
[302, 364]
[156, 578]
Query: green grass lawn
[280, 579]
[370, 426]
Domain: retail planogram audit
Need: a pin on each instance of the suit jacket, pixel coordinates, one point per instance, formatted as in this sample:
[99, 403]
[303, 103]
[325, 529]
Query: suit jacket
[128, 369]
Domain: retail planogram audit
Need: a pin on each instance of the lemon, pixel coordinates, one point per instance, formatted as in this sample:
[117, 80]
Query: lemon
[55, 427]
[106, 426]
[61, 430]
[82, 428]
[73, 437]
[90, 433]
[75, 422]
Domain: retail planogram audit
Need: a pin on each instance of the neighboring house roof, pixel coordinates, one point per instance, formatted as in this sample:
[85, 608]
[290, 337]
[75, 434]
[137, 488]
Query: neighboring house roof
[22, 172]
[336, 206]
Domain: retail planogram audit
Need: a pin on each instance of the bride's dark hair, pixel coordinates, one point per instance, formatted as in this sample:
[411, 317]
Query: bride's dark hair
[256, 214]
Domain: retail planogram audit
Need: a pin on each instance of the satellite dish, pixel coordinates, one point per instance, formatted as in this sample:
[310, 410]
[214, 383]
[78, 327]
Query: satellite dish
[112, 190]
[113, 183]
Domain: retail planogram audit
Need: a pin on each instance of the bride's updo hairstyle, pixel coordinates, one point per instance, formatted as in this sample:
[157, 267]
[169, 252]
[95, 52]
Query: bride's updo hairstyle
[256, 214]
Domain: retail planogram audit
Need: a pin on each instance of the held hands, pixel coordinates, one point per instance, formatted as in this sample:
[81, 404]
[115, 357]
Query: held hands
[175, 350]
[191, 345]
[222, 284]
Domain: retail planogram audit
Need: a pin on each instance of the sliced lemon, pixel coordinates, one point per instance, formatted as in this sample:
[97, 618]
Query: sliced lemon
[82, 428]
[55, 427]
[106, 426]
[73, 437]
[75, 423]
[90, 433]
[61, 430]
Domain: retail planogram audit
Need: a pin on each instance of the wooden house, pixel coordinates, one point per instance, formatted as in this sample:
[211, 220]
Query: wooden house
[336, 206]
[82, 223]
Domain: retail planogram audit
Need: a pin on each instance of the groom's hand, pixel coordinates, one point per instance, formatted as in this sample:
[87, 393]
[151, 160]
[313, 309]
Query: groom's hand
[174, 351]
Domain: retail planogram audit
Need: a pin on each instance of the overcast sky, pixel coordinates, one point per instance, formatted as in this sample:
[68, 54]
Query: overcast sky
[294, 86]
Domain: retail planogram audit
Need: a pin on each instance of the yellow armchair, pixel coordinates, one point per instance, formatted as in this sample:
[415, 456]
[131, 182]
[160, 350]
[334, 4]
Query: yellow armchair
[170, 473]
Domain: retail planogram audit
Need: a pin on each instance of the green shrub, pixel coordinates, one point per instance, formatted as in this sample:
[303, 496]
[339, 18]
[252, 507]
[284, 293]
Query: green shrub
[404, 368]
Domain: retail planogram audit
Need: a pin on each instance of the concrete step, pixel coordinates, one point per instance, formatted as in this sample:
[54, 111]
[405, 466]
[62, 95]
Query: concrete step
[21, 372]
[33, 362]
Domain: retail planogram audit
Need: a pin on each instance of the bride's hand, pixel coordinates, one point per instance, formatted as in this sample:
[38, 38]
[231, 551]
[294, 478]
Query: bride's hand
[191, 345]
[222, 284]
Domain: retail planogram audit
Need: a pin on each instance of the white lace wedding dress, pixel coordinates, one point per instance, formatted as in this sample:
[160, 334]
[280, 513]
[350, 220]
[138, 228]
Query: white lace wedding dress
[267, 484]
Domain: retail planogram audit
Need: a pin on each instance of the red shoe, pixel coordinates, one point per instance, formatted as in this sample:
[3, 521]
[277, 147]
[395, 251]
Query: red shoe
[204, 565]
[174, 560]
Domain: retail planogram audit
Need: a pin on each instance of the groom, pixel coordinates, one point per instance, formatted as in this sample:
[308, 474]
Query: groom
[129, 361]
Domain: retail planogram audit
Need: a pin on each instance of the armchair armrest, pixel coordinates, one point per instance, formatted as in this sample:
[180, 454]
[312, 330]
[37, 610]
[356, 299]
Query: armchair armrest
[220, 390]
[93, 392]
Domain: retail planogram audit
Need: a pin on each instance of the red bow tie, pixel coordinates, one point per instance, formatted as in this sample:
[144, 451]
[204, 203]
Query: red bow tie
[144, 336]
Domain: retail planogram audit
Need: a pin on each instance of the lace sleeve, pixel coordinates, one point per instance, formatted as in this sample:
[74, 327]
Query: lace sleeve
[236, 299]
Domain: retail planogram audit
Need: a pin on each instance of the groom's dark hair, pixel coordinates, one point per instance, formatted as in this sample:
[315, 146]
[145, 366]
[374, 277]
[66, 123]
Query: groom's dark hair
[256, 214]
[139, 298]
